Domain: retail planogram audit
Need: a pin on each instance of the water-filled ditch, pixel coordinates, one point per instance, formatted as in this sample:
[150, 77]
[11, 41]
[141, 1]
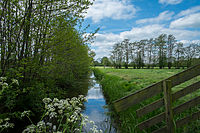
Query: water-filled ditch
[96, 108]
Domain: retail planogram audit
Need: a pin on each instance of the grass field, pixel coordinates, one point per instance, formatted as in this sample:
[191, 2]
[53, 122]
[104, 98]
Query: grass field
[117, 83]
[141, 77]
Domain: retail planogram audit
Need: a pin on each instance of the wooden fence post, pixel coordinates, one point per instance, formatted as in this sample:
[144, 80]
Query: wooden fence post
[167, 85]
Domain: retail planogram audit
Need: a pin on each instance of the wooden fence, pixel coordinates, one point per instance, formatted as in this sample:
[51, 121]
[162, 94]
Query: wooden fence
[164, 87]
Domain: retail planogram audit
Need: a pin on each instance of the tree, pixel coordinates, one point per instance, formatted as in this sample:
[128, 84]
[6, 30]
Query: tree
[150, 44]
[171, 40]
[117, 55]
[26, 31]
[92, 54]
[105, 61]
[179, 53]
[126, 51]
[133, 48]
[140, 53]
[161, 44]
[190, 53]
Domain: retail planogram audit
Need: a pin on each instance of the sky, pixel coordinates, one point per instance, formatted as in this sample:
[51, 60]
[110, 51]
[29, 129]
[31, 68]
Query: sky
[141, 19]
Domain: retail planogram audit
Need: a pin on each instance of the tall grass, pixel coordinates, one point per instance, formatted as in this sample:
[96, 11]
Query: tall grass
[119, 83]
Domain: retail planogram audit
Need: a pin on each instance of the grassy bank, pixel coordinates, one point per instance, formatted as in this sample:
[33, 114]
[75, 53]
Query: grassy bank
[117, 83]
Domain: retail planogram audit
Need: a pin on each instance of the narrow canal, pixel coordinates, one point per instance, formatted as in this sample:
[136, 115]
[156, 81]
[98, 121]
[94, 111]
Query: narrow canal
[96, 109]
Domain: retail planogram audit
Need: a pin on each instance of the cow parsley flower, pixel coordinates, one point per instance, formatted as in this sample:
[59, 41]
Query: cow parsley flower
[14, 81]
[46, 100]
[25, 113]
[3, 79]
[41, 125]
[53, 114]
[4, 85]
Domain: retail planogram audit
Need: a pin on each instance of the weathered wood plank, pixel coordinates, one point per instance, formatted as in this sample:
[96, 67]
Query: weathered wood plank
[141, 95]
[161, 130]
[187, 90]
[185, 75]
[150, 107]
[152, 121]
[180, 122]
[191, 103]
[160, 102]
[168, 106]
[160, 117]
[137, 97]
[188, 119]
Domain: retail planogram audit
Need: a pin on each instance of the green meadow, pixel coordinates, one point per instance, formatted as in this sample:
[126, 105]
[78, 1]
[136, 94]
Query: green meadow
[117, 83]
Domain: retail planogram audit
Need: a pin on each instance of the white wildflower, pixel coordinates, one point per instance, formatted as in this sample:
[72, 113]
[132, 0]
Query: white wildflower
[54, 127]
[92, 122]
[3, 79]
[4, 86]
[49, 124]
[58, 132]
[25, 113]
[76, 129]
[41, 125]
[50, 108]
[53, 114]
[100, 131]
[55, 100]
[7, 119]
[60, 111]
[74, 98]
[14, 81]
[46, 100]
[30, 129]
[68, 109]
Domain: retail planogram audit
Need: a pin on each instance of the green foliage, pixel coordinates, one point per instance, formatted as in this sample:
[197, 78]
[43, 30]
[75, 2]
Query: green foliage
[70, 61]
[42, 46]
[105, 61]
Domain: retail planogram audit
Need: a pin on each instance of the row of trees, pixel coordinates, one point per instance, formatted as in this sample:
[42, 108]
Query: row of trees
[39, 33]
[161, 51]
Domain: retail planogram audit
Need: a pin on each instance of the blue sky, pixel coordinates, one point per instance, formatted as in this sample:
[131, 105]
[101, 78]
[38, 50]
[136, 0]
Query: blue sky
[142, 19]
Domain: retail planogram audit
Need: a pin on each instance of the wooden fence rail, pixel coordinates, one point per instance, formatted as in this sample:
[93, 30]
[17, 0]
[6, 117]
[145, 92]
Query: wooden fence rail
[164, 87]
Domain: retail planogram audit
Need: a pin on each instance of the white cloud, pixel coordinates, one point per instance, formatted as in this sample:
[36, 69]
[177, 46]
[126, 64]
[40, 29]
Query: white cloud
[115, 9]
[172, 2]
[189, 41]
[105, 39]
[190, 21]
[189, 11]
[163, 16]
[105, 42]
[150, 31]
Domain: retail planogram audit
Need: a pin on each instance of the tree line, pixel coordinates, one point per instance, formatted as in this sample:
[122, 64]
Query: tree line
[39, 33]
[163, 51]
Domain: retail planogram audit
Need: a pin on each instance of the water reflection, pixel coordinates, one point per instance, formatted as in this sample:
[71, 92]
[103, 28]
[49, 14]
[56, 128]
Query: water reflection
[95, 110]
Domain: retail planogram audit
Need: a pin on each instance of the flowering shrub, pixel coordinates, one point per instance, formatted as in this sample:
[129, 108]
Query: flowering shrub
[4, 85]
[9, 91]
[5, 124]
[61, 116]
